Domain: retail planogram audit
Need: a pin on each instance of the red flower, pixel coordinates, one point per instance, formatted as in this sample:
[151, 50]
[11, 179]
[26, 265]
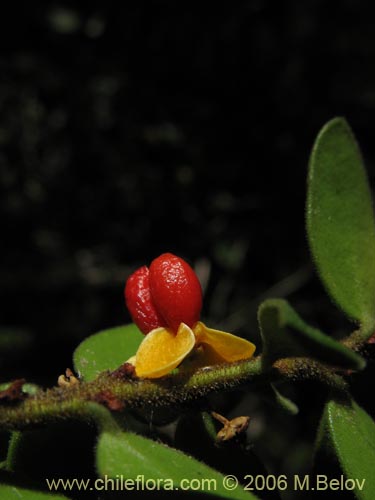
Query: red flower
[165, 302]
[167, 294]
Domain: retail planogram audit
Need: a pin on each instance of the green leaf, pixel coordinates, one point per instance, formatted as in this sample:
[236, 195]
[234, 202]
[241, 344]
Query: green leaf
[11, 492]
[340, 221]
[41, 452]
[10, 489]
[134, 457]
[196, 435]
[30, 389]
[17, 493]
[285, 335]
[106, 350]
[348, 433]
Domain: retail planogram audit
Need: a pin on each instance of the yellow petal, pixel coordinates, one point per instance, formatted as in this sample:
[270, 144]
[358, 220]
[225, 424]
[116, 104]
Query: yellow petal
[162, 350]
[200, 357]
[131, 360]
[227, 346]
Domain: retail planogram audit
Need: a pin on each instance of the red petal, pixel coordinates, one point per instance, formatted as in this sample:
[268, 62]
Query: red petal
[175, 290]
[139, 302]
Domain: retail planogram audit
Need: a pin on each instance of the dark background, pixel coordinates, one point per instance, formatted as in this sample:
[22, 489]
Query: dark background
[131, 130]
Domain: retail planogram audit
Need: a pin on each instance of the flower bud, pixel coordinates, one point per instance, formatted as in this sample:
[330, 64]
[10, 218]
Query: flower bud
[166, 295]
[175, 290]
[139, 302]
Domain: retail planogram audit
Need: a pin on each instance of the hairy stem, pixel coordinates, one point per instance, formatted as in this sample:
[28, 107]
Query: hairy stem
[177, 390]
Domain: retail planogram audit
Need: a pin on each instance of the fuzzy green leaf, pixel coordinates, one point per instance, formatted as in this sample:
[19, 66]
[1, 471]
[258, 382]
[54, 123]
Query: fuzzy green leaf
[17, 493]
[9, 490]
[130, 455]
[348, 433]
[43, 451]
[340, 222]
[285, 335]
[106, 350]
